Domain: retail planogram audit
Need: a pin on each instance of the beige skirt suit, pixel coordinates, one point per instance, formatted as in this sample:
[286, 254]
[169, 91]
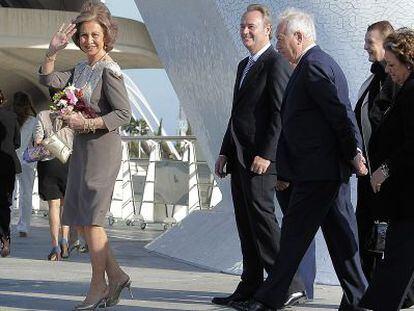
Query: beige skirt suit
[96, 157]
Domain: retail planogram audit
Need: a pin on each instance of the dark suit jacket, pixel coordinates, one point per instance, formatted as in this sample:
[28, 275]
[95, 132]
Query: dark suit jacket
[376, 95]
[393, 143]
[9, 142]
[256, 109]
[319, 135]
[379, 104]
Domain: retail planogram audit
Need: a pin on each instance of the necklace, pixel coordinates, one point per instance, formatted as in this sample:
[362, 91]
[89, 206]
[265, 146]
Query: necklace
[93, 66]
[101, 58]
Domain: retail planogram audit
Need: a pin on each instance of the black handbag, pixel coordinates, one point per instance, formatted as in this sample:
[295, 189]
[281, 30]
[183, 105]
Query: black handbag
[376, 239]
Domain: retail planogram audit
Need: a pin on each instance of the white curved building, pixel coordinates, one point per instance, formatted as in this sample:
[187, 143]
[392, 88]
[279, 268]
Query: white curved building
[26, 27]
[198, 43]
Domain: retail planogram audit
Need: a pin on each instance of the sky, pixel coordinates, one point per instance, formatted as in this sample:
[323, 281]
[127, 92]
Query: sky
[153, 83]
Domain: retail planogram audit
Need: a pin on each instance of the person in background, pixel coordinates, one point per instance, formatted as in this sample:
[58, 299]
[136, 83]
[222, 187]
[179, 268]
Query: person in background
[374, 97]
[10, 166]
[391, 153]
[23, 107]
[52, 177]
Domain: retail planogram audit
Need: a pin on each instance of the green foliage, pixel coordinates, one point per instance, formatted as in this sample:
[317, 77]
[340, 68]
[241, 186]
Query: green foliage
[136, 127]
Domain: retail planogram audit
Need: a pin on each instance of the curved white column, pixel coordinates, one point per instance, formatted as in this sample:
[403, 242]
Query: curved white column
[25, 36]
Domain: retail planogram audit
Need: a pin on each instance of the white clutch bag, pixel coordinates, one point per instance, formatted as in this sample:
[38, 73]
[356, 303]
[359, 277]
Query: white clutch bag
[57, 147]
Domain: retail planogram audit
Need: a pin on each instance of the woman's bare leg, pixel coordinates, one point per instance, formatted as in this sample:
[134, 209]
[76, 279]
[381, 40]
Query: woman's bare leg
[54, 221]
[98, 249]
[65, 229]
[115, 274]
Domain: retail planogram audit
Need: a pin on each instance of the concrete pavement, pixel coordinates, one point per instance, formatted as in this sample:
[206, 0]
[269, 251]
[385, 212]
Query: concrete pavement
[29, 282]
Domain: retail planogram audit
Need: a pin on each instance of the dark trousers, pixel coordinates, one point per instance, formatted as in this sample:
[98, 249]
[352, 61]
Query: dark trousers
[307, 267]
[6, 192]
[259, 232]
[324, 204]
[391, 282]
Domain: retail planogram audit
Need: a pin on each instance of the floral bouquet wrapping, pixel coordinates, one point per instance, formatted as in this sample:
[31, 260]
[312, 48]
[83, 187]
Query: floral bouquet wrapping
[69, 100]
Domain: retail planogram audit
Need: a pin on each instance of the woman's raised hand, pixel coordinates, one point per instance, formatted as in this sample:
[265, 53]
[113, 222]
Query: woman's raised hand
[61, 38]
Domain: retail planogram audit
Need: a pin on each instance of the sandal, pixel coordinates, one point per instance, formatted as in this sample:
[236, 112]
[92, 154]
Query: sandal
[64, 246]
[5, 246]
[74, 247]
[54, 254]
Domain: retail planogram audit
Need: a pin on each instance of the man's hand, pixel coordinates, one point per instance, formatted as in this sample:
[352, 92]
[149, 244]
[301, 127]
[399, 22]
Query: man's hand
[282, 185]
[219, 167]
[359, 164]
[259, 165]
[377, 179]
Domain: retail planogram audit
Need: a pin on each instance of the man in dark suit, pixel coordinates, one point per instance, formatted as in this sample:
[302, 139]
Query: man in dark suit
[249, 151]
[10, 166]
[318, 148]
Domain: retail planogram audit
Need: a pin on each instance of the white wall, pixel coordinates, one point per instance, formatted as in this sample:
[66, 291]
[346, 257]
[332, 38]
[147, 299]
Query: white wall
[198, 43]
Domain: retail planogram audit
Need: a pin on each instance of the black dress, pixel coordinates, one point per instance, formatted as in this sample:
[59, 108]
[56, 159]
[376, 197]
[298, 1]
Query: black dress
[392, 143]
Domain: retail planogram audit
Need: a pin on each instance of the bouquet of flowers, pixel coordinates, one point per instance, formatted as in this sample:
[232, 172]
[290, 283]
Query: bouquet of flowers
[70, 100]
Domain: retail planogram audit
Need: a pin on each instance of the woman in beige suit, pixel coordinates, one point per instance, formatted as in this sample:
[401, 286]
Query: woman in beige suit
[96, 156]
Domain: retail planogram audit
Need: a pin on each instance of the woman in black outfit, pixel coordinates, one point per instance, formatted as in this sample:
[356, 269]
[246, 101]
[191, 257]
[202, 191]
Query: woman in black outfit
[10, 166]
[391, 151]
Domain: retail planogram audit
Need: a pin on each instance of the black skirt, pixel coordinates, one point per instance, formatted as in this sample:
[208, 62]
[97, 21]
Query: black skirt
[52, 176]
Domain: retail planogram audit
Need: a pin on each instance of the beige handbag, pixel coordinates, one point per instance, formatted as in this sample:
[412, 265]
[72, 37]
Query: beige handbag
[57, 147]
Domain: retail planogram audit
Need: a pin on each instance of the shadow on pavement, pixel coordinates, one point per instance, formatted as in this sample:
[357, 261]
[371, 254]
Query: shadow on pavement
[51, 295]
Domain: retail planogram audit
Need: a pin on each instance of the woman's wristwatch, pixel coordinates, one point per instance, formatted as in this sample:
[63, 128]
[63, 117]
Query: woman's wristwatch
[385, 170]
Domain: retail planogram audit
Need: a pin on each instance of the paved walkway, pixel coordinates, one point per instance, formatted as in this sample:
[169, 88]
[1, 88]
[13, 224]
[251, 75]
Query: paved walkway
[29, 282]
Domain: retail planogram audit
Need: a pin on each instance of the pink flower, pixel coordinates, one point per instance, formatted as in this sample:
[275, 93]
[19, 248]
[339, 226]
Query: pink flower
[70, 95]
[70, 100]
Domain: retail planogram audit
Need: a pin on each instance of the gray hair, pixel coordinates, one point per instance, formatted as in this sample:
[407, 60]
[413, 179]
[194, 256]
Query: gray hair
[298, 20]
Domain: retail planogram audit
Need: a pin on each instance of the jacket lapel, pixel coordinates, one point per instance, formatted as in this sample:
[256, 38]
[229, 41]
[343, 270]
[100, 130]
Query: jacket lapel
[241, 67]
[252, 74]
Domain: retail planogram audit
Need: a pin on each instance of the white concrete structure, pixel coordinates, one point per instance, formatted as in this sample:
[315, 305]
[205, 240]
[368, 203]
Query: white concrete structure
[199, 46]
[25, 36]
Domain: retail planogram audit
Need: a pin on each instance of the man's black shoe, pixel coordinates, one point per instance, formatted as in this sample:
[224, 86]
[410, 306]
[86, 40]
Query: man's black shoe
[227, 301]
[295, 298]
[251, 305]
[242, 305]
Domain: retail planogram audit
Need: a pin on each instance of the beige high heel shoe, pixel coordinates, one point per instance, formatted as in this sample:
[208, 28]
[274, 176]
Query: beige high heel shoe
[101, 303]
[114, 298]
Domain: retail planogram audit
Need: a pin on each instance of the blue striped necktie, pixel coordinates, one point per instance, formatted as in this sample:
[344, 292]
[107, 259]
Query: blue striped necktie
[250, 63]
